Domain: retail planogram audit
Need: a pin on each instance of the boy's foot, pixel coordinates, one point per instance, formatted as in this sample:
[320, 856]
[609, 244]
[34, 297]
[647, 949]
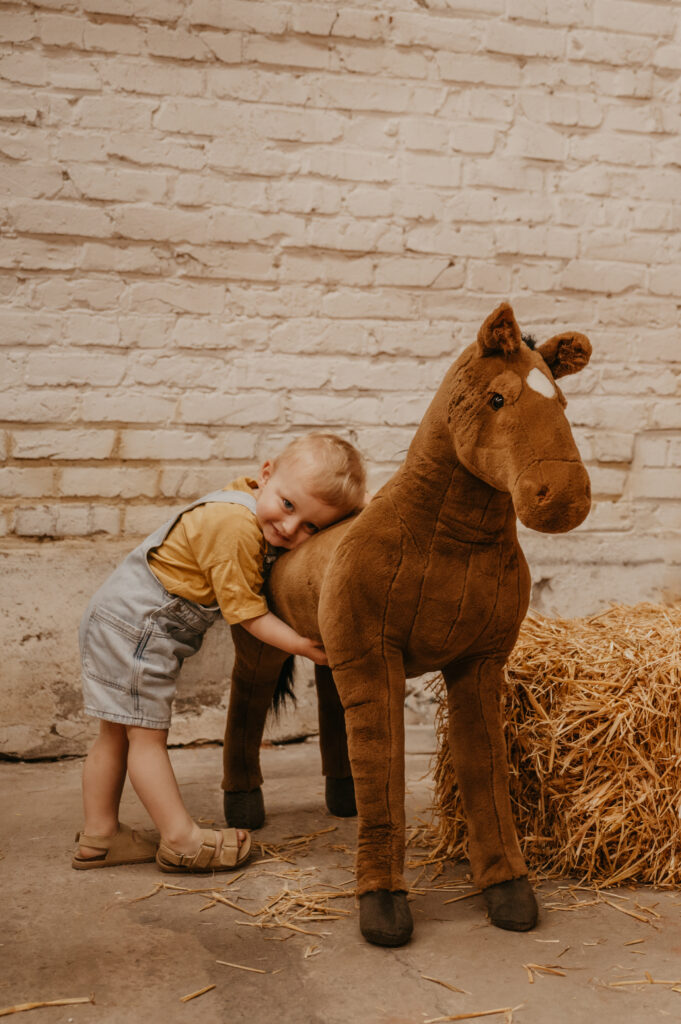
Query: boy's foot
[125, 846]
[219, 850]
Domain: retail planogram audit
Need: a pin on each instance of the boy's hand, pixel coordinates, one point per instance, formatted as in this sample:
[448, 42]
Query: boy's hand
[313, 650]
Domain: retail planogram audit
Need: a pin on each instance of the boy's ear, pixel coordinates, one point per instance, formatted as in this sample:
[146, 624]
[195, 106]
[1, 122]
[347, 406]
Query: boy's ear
[265, 472]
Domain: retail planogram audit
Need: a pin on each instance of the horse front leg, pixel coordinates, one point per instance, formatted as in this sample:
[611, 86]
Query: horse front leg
[477, 748]
[333, 744]
[372, 690]
[256, 671]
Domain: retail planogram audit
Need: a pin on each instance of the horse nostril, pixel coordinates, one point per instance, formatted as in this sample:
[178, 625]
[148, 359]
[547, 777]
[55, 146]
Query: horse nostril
[542, 492]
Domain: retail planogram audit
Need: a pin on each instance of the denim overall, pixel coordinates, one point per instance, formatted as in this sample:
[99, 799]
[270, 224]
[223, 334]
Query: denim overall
[135, 635]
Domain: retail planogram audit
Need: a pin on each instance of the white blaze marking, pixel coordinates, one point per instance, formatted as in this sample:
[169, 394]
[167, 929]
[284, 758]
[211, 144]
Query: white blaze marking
[538, 382]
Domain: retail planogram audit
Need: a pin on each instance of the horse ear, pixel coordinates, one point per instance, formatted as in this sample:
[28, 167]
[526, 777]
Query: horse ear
[500, 334]
[566, 353]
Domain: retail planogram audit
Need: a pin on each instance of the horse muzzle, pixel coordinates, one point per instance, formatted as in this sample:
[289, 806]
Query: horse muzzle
[552, 496]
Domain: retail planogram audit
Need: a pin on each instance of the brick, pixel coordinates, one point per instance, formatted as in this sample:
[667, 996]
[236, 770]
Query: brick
[387, 375]
[113, 37]
[116, 113]
[179, 445]
[638, 18]
[478, 70]
[24, 68]
[232, 410]
[458, 34]
[66, 520]
[598, 276]
[486, 277]
[58, 218]
[609, 48]
[382, 61]
[665, 280]
[176, 370]
[36, 406]
[524, 40]
[362, 93]
[17, 26]
[176, 43]
[23, 327]
[226, 46]
[95, 293]
[26, 483]
[141, 520]
[656, 483]
[536, 241]
[409, 271]
[355, 23]
[63, 444]
[141, 76]
[292, 53]
[126, 406]
[74, 368]
[109, 482]
[348, 271]
[154, 222]
[450, 241]
[34, 254]
[189, 483]
[238, 14]
[379, 303]
[554, 12]
[161, 296]
[107, 256]
[62, 30]
[114, 184]
[139, 148]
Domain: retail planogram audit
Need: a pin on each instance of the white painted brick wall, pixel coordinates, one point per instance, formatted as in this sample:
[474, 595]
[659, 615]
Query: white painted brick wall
[223, 222]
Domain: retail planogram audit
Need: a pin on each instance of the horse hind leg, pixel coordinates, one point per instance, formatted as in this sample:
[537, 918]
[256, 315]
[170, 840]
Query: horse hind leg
[256, 672]
[333, 743]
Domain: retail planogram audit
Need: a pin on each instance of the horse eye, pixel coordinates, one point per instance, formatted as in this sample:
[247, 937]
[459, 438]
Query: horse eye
[496, 401]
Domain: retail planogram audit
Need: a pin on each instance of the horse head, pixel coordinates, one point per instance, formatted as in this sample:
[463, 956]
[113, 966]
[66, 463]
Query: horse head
[507, 421]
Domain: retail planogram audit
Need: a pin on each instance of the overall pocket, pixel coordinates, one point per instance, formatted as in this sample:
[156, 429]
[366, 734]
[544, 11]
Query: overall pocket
[111, 648]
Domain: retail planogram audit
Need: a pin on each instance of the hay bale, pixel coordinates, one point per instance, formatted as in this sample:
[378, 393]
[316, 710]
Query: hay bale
[593, 712]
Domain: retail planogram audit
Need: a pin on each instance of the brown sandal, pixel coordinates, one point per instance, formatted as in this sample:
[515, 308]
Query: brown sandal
[125, 847]
[232, 853]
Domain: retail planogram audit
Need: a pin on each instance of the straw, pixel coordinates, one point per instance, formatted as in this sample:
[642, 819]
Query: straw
[593, 728]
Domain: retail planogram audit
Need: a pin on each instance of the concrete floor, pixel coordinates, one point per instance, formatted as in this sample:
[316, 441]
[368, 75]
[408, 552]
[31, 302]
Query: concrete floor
[68, 934]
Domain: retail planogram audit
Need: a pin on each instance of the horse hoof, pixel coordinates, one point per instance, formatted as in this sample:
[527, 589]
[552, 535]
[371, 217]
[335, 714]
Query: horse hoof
[245, 808]
[512, 905]
[385, 918]
[340, 797]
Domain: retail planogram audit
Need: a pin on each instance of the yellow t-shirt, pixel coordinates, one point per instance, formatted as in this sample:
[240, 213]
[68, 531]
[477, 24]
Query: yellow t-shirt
[215, 552]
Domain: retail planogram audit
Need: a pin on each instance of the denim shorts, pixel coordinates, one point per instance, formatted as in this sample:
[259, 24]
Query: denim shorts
[134, 637]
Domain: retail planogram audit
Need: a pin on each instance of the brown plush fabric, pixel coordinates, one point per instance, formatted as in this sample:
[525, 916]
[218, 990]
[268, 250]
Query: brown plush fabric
[431, 576]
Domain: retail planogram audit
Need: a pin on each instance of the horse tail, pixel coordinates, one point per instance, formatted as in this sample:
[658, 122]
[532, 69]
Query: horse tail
[284, 687]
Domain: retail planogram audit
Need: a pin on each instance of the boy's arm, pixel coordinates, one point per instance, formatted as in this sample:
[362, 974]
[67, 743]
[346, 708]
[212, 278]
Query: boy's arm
[273, 630]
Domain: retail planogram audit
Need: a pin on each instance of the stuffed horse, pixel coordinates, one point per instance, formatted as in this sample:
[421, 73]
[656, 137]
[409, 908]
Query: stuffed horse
[429, 576]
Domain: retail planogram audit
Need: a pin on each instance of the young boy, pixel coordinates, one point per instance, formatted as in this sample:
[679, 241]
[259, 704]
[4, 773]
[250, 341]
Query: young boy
[152, 613]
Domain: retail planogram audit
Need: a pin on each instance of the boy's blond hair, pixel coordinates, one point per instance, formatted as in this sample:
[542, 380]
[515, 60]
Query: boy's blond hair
[332, 466]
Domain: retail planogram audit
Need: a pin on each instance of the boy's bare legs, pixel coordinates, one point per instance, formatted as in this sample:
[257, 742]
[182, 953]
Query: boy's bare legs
[103, 778]
[153, 779]
[143, 752]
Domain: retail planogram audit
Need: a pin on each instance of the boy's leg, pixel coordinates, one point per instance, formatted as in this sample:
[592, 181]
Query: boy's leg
[153, 779]
[103, 779]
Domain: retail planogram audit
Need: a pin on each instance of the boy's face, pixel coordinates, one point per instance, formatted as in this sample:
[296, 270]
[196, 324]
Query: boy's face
[287, 511]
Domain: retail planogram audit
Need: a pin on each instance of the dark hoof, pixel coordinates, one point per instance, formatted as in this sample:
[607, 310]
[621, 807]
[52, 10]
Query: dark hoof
[385, 918]
[512, 905]
[340, 797]
[245, 808]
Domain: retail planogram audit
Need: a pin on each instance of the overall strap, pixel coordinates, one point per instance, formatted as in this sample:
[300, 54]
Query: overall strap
[155, 539]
